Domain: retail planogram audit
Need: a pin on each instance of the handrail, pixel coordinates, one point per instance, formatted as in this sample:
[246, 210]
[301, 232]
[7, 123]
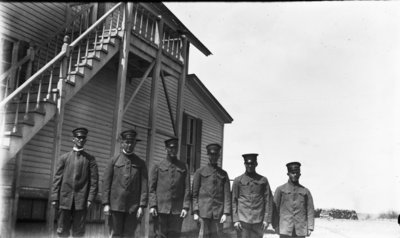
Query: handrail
[43, 45]
[57, 58]
[32, 78]
[97, 23]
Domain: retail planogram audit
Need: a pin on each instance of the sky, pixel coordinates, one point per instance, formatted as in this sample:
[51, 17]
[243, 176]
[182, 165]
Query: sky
[314, 82]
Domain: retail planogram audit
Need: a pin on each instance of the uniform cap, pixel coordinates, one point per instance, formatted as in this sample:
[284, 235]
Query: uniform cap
[250, 158]
[129, 135]
[172, 142]
[213, 148]
[81, 131]
[293, 166]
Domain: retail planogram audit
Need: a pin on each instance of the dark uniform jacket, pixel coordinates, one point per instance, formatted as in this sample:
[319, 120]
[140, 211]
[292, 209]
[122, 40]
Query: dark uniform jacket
[76, 180]
[211, 192]
[296, 209]
[169, 186]
[125, 184]
[252, 200]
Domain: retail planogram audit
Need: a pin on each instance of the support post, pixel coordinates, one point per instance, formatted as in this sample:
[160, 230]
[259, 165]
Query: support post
[58, 122]
[93, 14]
[14, 60]
[181, 87]
[121, 83]
[151, 137]
[15, 193]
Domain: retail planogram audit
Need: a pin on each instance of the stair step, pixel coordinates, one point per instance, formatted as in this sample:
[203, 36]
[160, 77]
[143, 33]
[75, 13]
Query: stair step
[108, 41]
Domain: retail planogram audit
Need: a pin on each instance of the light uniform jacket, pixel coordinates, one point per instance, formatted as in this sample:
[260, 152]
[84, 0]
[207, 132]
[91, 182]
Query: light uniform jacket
[211, 192]
[125, 184]
[252, 200]
[76, 180]
[296, 209]
[169, 187]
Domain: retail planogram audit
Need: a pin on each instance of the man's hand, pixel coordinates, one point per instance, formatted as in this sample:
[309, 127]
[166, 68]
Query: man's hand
[265, 225]
[223, 219]
[195, 217]
[139, 213]
[54, 204]
[309, 232]
[106, 210]
[153, 211]
[238, 226]
[89, 203]
[183, 213]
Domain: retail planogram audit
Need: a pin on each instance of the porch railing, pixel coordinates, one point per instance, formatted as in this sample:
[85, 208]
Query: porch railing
[38, 55]
[84, 45]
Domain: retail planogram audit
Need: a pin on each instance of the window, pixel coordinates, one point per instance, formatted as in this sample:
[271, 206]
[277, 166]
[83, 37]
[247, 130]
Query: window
[191, 142]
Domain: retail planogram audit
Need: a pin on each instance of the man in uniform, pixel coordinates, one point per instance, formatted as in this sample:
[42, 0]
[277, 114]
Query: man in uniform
[75, 186]
[252, 201]
[295, 206]
[125, 188]
[211, 195]
[169, 192]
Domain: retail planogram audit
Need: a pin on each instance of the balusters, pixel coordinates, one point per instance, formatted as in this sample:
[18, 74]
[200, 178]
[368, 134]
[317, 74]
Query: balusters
[111, 24]
[152, 31]
[19, 97]
[141, 22]
[87, 44]
[49, 90]
[163, 41]
[168, 43]
[135, 16]
[102, 35]
[118, 27]
[156, 34]
[79, 46]
[147, 25]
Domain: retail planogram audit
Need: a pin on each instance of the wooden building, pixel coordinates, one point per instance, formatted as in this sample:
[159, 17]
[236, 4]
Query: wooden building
[103, 66]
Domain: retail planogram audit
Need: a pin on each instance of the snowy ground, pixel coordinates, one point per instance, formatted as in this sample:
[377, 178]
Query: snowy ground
[338, 228]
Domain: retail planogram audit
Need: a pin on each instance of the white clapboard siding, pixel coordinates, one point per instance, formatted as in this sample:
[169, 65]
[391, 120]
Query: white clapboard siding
[92, 107]
[212, 129]
[138, 111]
[31, 21]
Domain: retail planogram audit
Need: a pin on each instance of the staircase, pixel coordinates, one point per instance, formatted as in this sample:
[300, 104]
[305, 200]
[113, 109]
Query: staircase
[85, 50]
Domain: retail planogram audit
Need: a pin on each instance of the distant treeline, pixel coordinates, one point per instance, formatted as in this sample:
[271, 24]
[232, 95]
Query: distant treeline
[336, 213]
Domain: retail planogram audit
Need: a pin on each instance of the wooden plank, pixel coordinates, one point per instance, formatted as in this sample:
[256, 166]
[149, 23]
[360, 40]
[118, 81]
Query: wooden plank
[122, 71]
[15, 192]
[168, 103]
[151, 138]
[20, 33]
[30, 12]
[22, 23]
[181, 88]
[58, 126]
[54, 9]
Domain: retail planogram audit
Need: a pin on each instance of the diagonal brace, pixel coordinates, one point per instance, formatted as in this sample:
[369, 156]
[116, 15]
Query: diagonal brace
[145, 75]
[168, 102]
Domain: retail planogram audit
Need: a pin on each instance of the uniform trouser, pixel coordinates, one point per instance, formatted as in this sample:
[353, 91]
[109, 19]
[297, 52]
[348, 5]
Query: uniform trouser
[285, 236]
[292, 236]
[74, 218]
[168, 225]
[250, 230]
[123, 224]
[210, 228]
